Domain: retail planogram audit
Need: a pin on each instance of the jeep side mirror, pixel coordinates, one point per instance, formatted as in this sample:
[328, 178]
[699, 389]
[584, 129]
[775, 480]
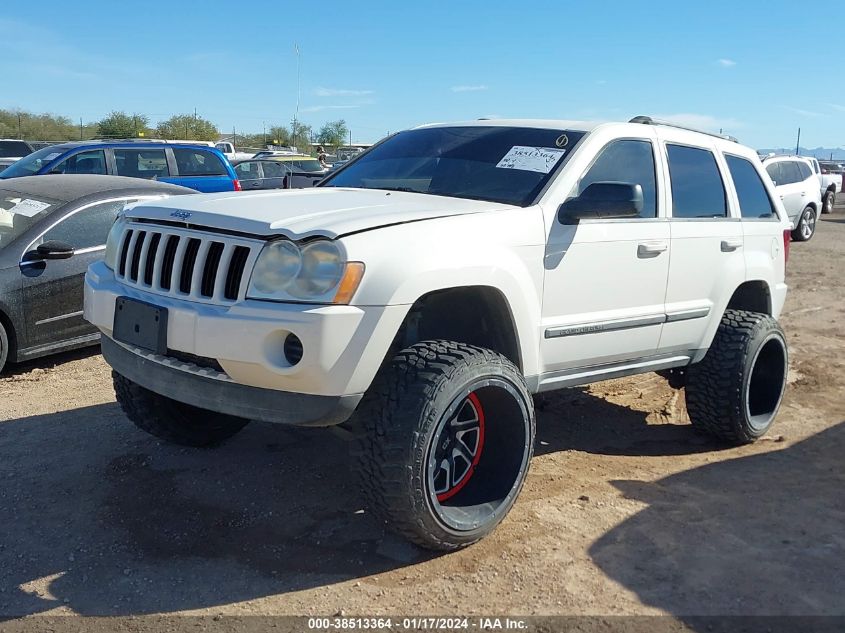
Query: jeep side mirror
[53, 249]
[603, 201]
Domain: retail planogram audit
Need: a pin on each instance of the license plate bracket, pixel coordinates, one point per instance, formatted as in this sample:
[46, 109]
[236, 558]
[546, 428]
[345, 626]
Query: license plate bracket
[141, 324]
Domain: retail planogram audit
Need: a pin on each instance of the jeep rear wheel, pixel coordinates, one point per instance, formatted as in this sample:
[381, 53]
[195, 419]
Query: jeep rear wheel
[734, 393]
[171, 420]
[446, 435]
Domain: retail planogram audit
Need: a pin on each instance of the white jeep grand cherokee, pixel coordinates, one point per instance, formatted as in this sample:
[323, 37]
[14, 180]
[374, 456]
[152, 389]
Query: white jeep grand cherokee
[420, 295]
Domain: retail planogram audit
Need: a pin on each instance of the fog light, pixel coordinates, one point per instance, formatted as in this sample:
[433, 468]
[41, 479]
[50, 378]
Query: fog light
[293, 349]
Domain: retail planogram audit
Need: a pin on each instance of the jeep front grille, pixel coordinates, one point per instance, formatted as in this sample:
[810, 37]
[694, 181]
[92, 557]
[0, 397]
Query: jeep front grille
[187, 264]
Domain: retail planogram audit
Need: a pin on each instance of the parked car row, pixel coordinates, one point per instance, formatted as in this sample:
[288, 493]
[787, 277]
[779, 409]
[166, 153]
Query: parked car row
[286, 171]
[805, 192]
[198, 167]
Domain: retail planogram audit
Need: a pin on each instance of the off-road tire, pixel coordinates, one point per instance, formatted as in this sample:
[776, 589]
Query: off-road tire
[828, 202]
[4, 347]
[396, 425]
[743, 372]
[173, 421]
[809, 219]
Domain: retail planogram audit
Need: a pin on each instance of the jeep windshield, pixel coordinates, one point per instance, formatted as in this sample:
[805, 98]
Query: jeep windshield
[503, 164]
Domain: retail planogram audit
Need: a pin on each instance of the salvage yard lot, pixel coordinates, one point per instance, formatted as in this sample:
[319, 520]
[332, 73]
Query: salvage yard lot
[625, 510]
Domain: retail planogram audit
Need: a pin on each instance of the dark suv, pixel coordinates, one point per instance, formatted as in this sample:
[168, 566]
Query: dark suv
[196, 166]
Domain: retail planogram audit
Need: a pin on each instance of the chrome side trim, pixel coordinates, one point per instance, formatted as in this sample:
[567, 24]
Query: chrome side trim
[69, 315]
[683, 315]
[604, 326]
[586, 375]
[624, 324]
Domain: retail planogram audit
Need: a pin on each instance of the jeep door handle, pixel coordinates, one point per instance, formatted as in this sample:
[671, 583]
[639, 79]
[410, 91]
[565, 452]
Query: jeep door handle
[731, 244]
[651, 249]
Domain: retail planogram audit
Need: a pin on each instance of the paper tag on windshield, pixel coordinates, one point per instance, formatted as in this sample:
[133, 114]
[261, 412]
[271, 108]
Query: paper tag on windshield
[539, 159]
[50, 157]
[29, 208]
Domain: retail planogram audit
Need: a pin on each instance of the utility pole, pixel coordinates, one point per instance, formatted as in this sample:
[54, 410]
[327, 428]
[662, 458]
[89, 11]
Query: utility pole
[80, 128]
[265, 133]
[20, 133]
[798, 143]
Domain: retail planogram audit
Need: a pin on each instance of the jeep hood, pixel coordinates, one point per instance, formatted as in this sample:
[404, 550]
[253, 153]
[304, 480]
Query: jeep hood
[298, 213]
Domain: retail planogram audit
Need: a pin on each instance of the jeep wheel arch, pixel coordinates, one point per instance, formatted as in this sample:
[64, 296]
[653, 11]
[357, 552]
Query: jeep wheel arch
[474, 315]
[752, 296]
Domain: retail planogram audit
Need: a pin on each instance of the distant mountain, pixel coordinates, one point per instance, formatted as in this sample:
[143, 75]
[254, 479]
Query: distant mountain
[825, 153]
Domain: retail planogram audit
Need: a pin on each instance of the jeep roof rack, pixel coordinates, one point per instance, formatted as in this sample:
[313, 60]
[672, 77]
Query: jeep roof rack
[647, 120]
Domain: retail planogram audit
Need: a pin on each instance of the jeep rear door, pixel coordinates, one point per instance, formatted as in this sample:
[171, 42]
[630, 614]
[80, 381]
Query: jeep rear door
[605, 279]
[708, 260]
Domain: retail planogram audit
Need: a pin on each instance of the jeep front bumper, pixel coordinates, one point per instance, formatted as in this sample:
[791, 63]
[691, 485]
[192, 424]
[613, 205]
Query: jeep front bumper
[342, 349]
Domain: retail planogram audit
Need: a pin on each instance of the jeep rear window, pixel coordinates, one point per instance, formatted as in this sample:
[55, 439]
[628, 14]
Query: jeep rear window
[460, 162]
[754, 202]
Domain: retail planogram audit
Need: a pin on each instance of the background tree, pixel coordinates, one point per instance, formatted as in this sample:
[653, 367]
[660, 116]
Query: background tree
[41, 127]
[278, 135]
[333, 133]
[300, 136]
[189, 127]
[122, 125]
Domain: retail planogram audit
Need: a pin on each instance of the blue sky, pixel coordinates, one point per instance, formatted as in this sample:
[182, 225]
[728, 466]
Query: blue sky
[752, 68]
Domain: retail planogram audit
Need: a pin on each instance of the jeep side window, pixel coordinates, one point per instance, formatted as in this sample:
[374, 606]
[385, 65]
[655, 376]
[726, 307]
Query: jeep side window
[626, 161]
[754, 202]
[697, 187]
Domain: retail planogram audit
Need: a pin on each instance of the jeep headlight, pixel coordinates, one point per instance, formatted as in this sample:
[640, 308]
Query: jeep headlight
[113, 242]
[316, 272]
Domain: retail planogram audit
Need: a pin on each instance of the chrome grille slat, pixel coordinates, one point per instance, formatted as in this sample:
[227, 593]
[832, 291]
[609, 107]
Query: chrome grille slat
[204, 267]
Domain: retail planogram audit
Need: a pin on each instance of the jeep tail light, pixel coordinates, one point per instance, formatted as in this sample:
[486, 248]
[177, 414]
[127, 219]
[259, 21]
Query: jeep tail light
[786, 239]
[237, 185]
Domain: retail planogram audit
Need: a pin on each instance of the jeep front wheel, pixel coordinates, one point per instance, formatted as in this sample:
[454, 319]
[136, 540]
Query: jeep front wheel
[734, 393]
[171, 420]
[446, 435]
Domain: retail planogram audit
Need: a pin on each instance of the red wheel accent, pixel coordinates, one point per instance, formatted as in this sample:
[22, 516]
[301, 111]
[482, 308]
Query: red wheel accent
[476, 403]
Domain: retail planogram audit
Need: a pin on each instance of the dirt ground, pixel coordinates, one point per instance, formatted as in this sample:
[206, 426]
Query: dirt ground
[626, 510]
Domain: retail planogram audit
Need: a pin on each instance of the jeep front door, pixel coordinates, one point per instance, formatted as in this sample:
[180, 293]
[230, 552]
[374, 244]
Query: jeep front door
[605, 279]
